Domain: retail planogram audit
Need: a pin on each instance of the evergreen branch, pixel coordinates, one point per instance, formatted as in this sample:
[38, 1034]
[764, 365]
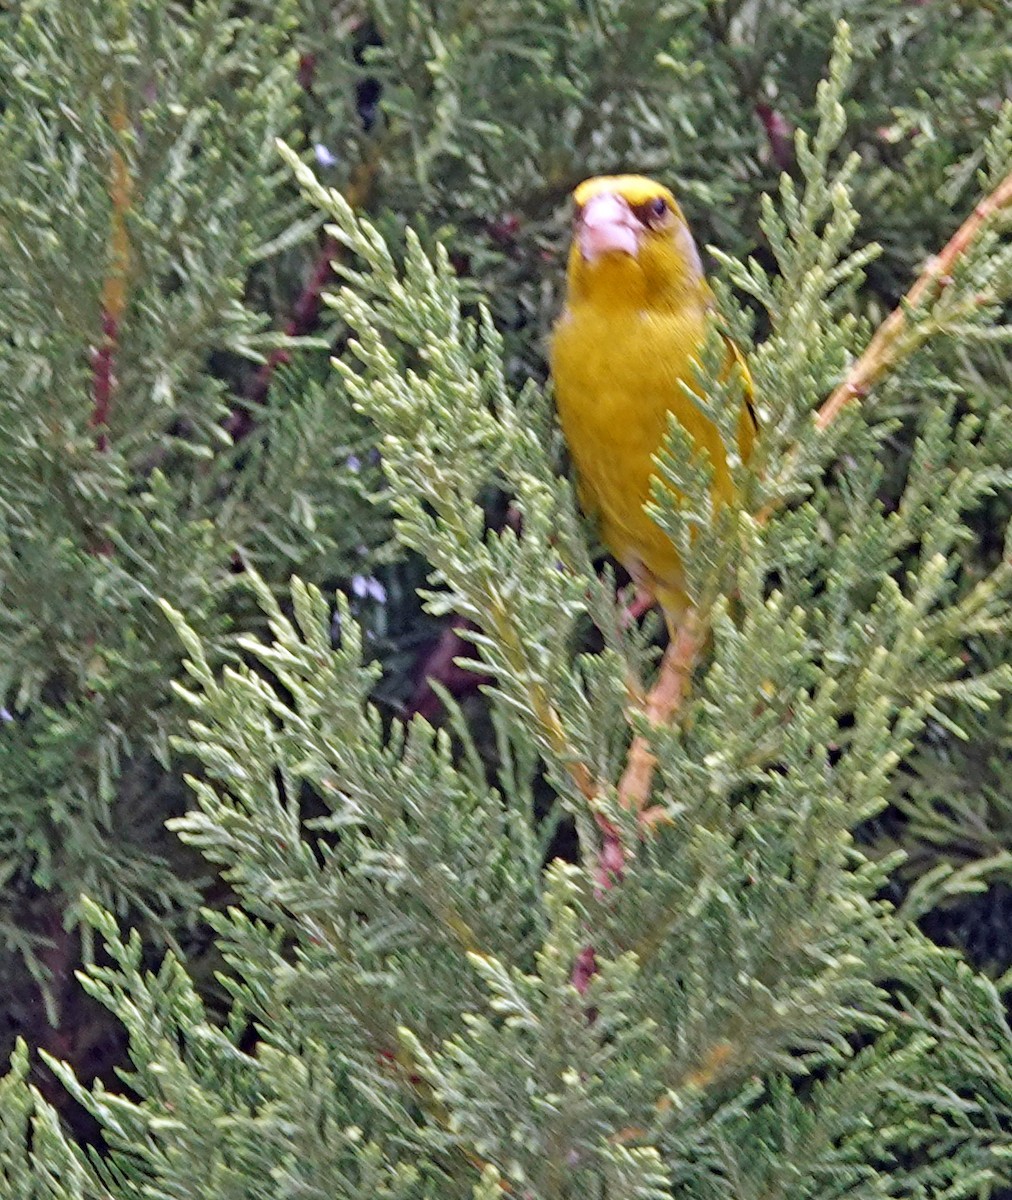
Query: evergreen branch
[889, 346]
[548, 718]
[407, 1063]
[439, 668]
[417, 311]
[896, 338]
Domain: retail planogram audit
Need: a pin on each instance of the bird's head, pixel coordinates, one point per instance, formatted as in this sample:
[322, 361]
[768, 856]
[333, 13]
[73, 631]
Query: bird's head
[631, 246]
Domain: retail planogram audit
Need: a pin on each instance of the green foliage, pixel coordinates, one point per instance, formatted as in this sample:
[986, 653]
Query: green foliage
[416, 996]
[139, 186]
[414, 1011]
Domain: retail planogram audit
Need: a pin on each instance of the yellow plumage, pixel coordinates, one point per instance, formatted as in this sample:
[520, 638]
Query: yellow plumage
[637, 313]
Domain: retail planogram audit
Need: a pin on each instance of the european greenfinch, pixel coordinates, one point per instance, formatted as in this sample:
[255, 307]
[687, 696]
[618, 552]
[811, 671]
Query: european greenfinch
[638, 310]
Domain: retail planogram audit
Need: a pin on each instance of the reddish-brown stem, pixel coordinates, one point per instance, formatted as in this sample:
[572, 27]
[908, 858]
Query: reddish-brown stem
[779, 134]
[663, 702]
[114, 287]
[584, 969]
[440, 666]
[307, 72]
[305, 317]
[102, 381]
[305, 314]
[884, 349]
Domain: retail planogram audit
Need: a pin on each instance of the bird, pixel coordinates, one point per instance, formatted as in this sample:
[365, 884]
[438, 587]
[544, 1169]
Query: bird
[637, 312]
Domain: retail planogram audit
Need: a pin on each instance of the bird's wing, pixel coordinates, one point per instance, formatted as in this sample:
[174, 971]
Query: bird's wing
[735, 355]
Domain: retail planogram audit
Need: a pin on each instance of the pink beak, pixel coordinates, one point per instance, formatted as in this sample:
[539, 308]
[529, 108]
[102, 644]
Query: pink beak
[607, 224]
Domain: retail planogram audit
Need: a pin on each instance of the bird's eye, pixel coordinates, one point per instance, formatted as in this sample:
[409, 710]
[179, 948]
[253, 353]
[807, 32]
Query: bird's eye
[658, 207]
[653, 212]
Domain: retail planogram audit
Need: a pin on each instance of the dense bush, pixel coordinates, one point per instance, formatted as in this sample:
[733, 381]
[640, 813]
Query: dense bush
[381, 961]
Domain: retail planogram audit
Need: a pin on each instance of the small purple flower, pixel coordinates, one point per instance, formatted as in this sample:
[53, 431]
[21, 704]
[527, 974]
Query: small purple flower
[6, 714]
[325, 157]
[368, 585]
[353, 463]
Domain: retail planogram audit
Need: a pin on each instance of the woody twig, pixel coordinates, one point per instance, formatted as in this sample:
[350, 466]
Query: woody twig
[891, 342]
[305, 313]
[114, 288]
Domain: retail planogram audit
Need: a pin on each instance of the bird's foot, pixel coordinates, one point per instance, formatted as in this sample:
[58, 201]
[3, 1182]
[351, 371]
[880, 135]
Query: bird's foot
[635, 608]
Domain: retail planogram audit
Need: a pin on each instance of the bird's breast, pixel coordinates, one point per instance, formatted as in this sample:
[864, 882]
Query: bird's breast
[617, 376]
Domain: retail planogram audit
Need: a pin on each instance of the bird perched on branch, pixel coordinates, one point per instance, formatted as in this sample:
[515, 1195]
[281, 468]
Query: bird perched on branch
[638, 311]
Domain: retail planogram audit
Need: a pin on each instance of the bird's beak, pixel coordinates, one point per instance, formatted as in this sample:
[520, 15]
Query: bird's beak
[607, 224]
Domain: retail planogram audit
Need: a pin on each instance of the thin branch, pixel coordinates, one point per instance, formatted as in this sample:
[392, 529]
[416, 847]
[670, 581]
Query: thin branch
[305, 313]
[103, 380]
[440, 666]
[304, 318]
[663, 702]
[779, 134]
[888, 346]
[114, 287]
[884, 350]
